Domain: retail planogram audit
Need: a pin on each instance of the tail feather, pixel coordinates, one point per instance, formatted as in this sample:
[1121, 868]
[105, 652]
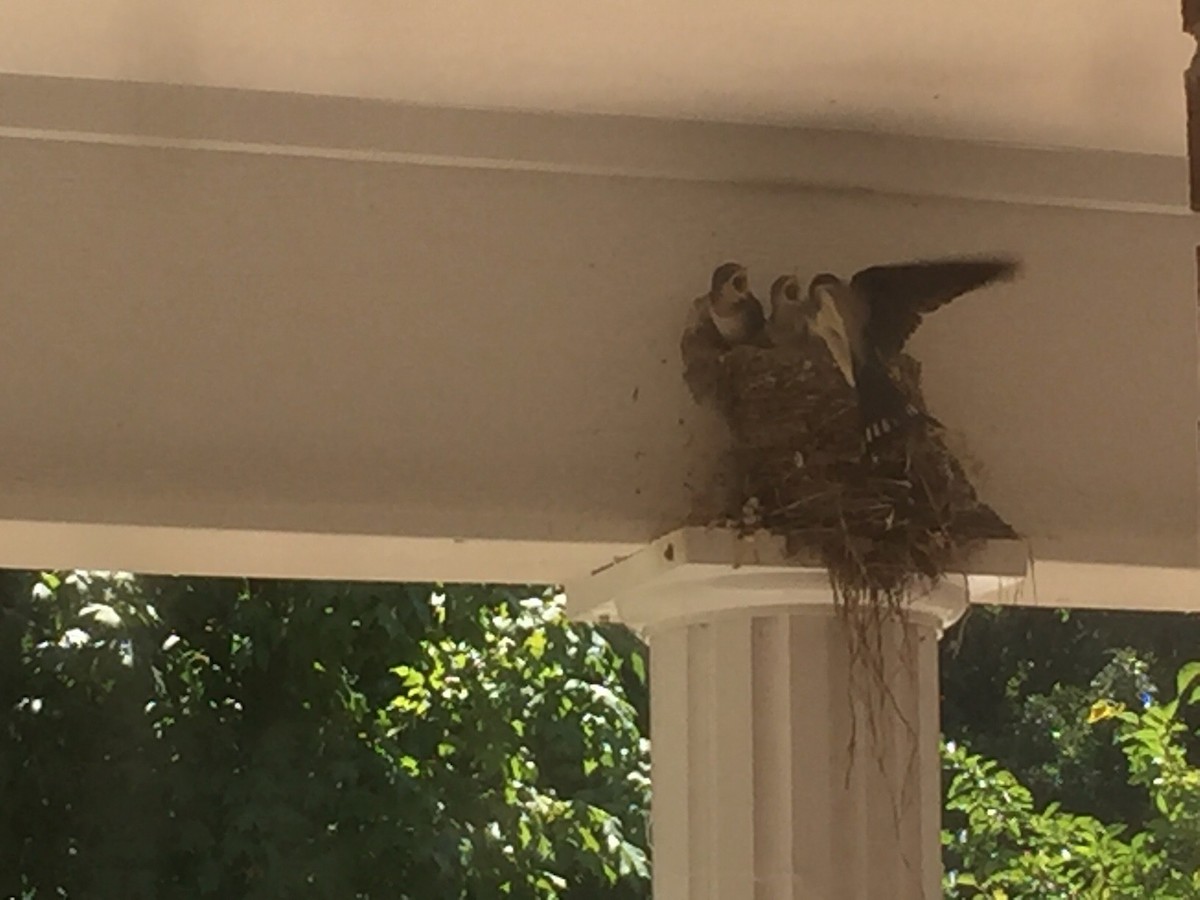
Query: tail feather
[884, 408]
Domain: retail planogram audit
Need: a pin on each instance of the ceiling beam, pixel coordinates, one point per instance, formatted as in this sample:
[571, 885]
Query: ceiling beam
[225, 120]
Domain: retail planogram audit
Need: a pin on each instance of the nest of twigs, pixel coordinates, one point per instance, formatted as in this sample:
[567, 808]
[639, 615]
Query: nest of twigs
[889, 527]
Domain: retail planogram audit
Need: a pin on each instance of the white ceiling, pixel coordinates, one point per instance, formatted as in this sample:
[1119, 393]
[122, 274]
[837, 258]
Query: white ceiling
[1084, 73]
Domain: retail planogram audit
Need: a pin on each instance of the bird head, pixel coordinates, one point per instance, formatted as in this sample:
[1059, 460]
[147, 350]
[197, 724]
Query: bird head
[730, 286]
[730, 279]
[785, 289]
[822, 289]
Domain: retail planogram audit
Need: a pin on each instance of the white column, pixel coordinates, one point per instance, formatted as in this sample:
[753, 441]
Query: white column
[782, 773]
[781, 769]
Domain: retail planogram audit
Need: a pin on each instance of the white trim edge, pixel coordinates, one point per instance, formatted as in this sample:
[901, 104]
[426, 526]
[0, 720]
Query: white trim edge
[205, 119]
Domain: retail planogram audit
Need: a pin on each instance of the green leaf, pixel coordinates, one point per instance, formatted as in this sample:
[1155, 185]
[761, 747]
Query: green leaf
[589, 839]
[638, 664]
[535, 643]
[1187, 674]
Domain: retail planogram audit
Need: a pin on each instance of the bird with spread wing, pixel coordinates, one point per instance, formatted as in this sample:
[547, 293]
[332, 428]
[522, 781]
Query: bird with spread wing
[866, 322]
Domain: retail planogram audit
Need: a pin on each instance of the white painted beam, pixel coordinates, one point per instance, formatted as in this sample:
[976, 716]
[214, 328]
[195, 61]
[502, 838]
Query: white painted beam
[329, 556]
[358, 130]
[271, 314]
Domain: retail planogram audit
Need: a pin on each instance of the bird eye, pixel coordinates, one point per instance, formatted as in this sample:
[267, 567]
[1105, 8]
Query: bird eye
[792, 291]
[739, 283]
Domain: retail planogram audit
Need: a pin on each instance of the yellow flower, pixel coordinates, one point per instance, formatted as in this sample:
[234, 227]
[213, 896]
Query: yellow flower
[1103, 709]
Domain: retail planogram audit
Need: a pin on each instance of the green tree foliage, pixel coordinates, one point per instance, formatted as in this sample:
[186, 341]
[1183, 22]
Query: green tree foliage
[1015, 679]
[179, 738]
[1000, 845]
[187, 738]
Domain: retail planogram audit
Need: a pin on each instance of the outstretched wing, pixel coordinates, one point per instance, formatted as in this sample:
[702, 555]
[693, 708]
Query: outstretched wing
[898, 295]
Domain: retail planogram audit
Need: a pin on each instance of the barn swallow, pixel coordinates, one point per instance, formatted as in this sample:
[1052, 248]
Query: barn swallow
[867, 322]
[735, 311]
[788, 323]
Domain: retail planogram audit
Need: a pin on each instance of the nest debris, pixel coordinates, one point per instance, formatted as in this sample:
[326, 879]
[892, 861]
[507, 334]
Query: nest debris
[887, 528]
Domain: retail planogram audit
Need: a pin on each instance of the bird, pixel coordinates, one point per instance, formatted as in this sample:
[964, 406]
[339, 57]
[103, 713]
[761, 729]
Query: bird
[865, 324]
[733, 309]
[788, 323]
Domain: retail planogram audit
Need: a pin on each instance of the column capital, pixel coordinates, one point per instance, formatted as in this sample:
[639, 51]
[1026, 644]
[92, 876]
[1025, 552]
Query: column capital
[699, 573]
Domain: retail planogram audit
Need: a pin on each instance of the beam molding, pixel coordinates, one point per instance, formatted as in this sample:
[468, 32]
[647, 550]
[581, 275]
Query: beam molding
[224, 120]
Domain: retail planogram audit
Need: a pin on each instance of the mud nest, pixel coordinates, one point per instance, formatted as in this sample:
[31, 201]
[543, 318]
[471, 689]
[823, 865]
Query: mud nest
[887, 528]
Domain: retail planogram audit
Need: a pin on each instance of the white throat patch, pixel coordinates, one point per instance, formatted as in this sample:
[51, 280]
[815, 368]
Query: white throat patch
[829, 326]
[732, 327]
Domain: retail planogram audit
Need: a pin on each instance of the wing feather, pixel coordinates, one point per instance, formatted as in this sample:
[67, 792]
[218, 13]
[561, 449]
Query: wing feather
[898, 295]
